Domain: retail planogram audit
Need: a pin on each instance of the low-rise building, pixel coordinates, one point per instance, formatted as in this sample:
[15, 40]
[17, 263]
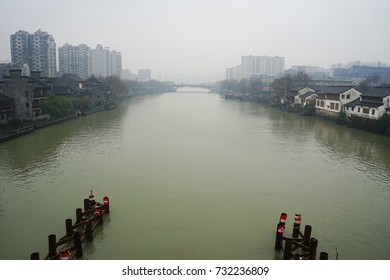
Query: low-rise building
[330, 101]
[372, 105]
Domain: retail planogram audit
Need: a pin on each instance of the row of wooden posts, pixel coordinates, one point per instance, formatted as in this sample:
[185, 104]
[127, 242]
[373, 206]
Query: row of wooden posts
[82, 230]
[299, 246]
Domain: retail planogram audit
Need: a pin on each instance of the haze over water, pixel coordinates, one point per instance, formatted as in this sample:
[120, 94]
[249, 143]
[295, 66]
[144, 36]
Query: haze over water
[191, 175]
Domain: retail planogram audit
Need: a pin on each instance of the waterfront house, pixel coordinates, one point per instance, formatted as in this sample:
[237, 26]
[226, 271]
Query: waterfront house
[303, 96]
[372, 105]
[5, 108]
[69, 85]
[330, 101]
[26, 93]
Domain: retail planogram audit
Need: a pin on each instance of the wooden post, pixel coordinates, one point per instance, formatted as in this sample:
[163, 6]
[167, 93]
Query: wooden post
[88, 231]
[279, 236]
[313, 248]
[77, 244]
[86, 204]
[34, 256]
[297, 224]
[106, 203]
[79, 215]
[307, 235]
[99, 214]
[52, 245]
[287, 249]
[69, 227]
[323, 255]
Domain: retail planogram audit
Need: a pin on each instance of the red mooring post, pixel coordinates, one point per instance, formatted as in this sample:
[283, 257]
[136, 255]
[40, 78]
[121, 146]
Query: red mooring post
[297, 224]
[279, 236]
[283, 218]
[106, 203]
[99, 215]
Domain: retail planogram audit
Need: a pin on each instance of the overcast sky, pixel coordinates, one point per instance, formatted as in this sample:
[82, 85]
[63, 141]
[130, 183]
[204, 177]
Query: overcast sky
[207, 36]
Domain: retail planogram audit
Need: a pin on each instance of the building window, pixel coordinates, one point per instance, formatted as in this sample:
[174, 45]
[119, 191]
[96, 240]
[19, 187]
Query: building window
[332, 106]
[322, 103]
[27, 105]
[342, 96]
[318, 103]
[337, 107]
[373, 112]
[366, 111]
[348, 96]
[358, 109]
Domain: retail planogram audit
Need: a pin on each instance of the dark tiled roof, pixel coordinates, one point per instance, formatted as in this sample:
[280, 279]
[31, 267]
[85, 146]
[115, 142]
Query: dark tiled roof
[333, 90]
[307, 94]
[378, 92]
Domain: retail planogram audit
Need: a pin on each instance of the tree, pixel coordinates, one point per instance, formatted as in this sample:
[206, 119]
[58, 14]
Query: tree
[117, 84]
[57, 106]
[255, 86]
[368, 83]
[281, 87]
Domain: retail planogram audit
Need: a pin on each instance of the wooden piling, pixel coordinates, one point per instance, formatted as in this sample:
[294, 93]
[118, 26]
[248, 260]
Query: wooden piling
[313, 248]
[297, 224]
[287, 249]
[106, 203]
[323, 256]
[77, 244]
[279, 236]
[307, 235]
[34, 256]
[69, 227]
[79, 215]
[52, 245]
[86, 204]
[89, 230]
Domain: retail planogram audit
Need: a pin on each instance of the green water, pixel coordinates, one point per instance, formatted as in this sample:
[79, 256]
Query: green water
[191, 175]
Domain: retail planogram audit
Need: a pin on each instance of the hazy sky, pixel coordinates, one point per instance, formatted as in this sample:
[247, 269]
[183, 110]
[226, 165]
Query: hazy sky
[207, 36]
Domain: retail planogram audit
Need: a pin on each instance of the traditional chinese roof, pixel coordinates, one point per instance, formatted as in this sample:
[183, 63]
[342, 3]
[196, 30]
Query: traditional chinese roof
[333, 89]
[381, 92]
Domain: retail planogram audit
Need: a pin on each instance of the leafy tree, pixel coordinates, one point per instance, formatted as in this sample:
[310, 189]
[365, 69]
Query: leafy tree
[255, 86]
[82, 102]
[368, 83]
[117, 84]
[281, 87]
[57, 106]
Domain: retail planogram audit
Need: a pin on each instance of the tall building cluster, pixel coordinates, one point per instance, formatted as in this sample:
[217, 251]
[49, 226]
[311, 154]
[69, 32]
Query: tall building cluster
[37, 51]
[84, 62]
[256, 65]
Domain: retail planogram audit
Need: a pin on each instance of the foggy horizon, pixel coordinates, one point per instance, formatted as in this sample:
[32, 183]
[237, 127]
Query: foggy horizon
[206, 37]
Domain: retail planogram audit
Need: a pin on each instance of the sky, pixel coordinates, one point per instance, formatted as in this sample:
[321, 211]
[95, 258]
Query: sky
[208, 36]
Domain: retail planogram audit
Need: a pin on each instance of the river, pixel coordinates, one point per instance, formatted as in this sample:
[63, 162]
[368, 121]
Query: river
[191, 175]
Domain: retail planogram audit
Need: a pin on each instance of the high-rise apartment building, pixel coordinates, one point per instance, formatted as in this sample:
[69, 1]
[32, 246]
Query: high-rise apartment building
[84, 62]
[37, 50]
[268, 65]
[103, 62]
[73, 60]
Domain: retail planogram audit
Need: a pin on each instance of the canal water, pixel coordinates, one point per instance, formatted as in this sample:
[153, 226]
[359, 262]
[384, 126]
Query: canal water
[191, 175]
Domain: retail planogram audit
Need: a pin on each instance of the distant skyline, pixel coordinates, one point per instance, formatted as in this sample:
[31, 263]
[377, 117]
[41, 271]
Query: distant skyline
[203, 37]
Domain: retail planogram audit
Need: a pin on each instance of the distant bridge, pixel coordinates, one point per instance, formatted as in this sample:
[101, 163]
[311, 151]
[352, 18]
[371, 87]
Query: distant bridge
[209, 87]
